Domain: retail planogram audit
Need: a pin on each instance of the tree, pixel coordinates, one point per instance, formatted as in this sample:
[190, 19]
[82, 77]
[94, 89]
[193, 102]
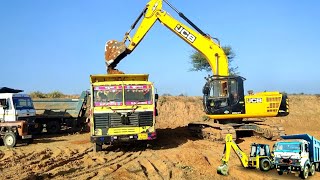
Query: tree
[200, 63]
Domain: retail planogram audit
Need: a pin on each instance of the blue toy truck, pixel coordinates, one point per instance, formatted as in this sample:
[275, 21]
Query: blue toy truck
[299, 153]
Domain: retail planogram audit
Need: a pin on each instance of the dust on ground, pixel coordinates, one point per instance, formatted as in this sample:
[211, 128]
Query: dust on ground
[174, 155]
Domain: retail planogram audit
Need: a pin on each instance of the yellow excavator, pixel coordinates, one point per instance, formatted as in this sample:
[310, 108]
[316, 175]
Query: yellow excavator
[224, 100]
[260, 156]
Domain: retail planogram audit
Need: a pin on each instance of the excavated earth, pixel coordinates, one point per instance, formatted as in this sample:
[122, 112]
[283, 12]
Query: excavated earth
[174, 155]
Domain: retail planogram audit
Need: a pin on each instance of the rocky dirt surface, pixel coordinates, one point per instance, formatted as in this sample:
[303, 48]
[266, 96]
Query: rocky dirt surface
[174, 155]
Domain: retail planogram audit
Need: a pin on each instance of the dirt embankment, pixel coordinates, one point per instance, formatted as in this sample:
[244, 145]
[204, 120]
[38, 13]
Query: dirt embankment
[174, 155]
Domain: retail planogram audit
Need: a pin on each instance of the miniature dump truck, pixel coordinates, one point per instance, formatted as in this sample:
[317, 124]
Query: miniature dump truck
[123, 108]
[61, 113]
[299, 153]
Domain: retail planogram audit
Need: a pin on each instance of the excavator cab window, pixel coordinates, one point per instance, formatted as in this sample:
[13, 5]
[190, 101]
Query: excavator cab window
[253, 152]
[222, 95]
[219, 93]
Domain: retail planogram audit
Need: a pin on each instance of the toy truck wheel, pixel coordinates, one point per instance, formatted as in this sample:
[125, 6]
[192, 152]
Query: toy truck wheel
[10, 139]
[53, 127]
[312, 170]
[265, 165]
[304, 174]
[97, 147]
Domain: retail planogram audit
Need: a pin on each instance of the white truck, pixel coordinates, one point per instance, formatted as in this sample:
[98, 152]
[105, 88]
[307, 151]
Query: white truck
[17, 116]
[298, 153]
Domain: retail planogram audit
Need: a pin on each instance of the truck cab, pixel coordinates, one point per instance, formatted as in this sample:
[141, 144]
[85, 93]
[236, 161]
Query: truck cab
[123, 108]
[16, 106]
[291, 155]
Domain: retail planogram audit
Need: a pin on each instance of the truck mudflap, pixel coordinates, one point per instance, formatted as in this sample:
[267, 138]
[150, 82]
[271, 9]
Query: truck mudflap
[123, 138]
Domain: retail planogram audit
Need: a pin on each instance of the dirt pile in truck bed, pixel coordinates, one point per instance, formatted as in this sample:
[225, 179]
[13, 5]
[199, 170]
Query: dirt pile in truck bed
[174, 155]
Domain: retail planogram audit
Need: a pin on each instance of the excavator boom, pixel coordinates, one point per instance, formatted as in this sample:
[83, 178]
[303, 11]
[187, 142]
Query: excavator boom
[115, 51]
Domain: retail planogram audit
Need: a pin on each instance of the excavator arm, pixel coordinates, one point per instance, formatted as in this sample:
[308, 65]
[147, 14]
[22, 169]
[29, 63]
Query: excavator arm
[230, 144]
[115, 51]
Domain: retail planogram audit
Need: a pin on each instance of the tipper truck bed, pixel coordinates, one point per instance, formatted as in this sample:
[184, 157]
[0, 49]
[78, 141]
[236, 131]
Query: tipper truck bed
[56, 114]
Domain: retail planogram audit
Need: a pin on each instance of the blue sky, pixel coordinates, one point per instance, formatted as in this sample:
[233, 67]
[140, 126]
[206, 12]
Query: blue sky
[55, 45]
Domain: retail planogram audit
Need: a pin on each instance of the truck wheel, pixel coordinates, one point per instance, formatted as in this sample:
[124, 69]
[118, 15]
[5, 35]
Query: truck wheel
[97, 147]
[10, 139]
[53, 127]
[312, 170]
[265, 165]
[304, 173]
[280, 173]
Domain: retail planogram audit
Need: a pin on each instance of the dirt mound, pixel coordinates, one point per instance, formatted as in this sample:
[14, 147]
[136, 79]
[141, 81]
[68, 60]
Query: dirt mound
[174, 155]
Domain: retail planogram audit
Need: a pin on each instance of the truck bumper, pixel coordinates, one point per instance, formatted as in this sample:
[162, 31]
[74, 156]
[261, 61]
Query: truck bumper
[123, 138]
[288, 168]
[26, 137]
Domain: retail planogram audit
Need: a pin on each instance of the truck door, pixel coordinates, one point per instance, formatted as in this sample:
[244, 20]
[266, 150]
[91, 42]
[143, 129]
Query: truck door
[7, 113]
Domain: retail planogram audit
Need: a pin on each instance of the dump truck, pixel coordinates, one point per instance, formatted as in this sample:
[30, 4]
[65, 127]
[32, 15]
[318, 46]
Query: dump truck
[123, 108]
[299, 154]
[55, 114]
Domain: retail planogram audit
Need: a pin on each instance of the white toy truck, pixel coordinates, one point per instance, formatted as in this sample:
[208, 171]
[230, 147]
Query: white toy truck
[16, 114]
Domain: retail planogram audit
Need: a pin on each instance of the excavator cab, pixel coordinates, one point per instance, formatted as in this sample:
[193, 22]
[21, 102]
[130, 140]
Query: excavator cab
[224, 95]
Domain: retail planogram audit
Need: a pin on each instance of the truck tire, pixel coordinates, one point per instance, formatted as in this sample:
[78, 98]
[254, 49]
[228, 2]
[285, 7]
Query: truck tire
[312, 170]
[97, 147]
[53, 127]
[10, 139]
[265, 164]
[304, 174]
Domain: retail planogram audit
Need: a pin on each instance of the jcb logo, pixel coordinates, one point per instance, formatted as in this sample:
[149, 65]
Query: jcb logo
[185, 33]
[254, 100]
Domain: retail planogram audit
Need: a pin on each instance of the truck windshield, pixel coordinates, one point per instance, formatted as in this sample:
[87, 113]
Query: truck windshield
[137, 94]
[108, 96]
[288, 146]
[21, 103]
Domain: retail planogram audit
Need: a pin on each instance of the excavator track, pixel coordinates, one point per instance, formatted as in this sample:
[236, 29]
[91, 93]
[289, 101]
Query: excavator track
[211, 131]
[216, 132]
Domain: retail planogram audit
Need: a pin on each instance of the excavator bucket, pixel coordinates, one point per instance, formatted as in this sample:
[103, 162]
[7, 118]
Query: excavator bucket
[223, 169]
[114, 52]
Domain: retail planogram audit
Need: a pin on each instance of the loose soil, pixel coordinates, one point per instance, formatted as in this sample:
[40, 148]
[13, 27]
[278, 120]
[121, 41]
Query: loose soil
[174, 155]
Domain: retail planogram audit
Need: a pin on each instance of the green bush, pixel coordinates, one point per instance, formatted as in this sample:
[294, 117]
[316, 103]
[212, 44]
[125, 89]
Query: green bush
[37, 94]
[55, 94]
